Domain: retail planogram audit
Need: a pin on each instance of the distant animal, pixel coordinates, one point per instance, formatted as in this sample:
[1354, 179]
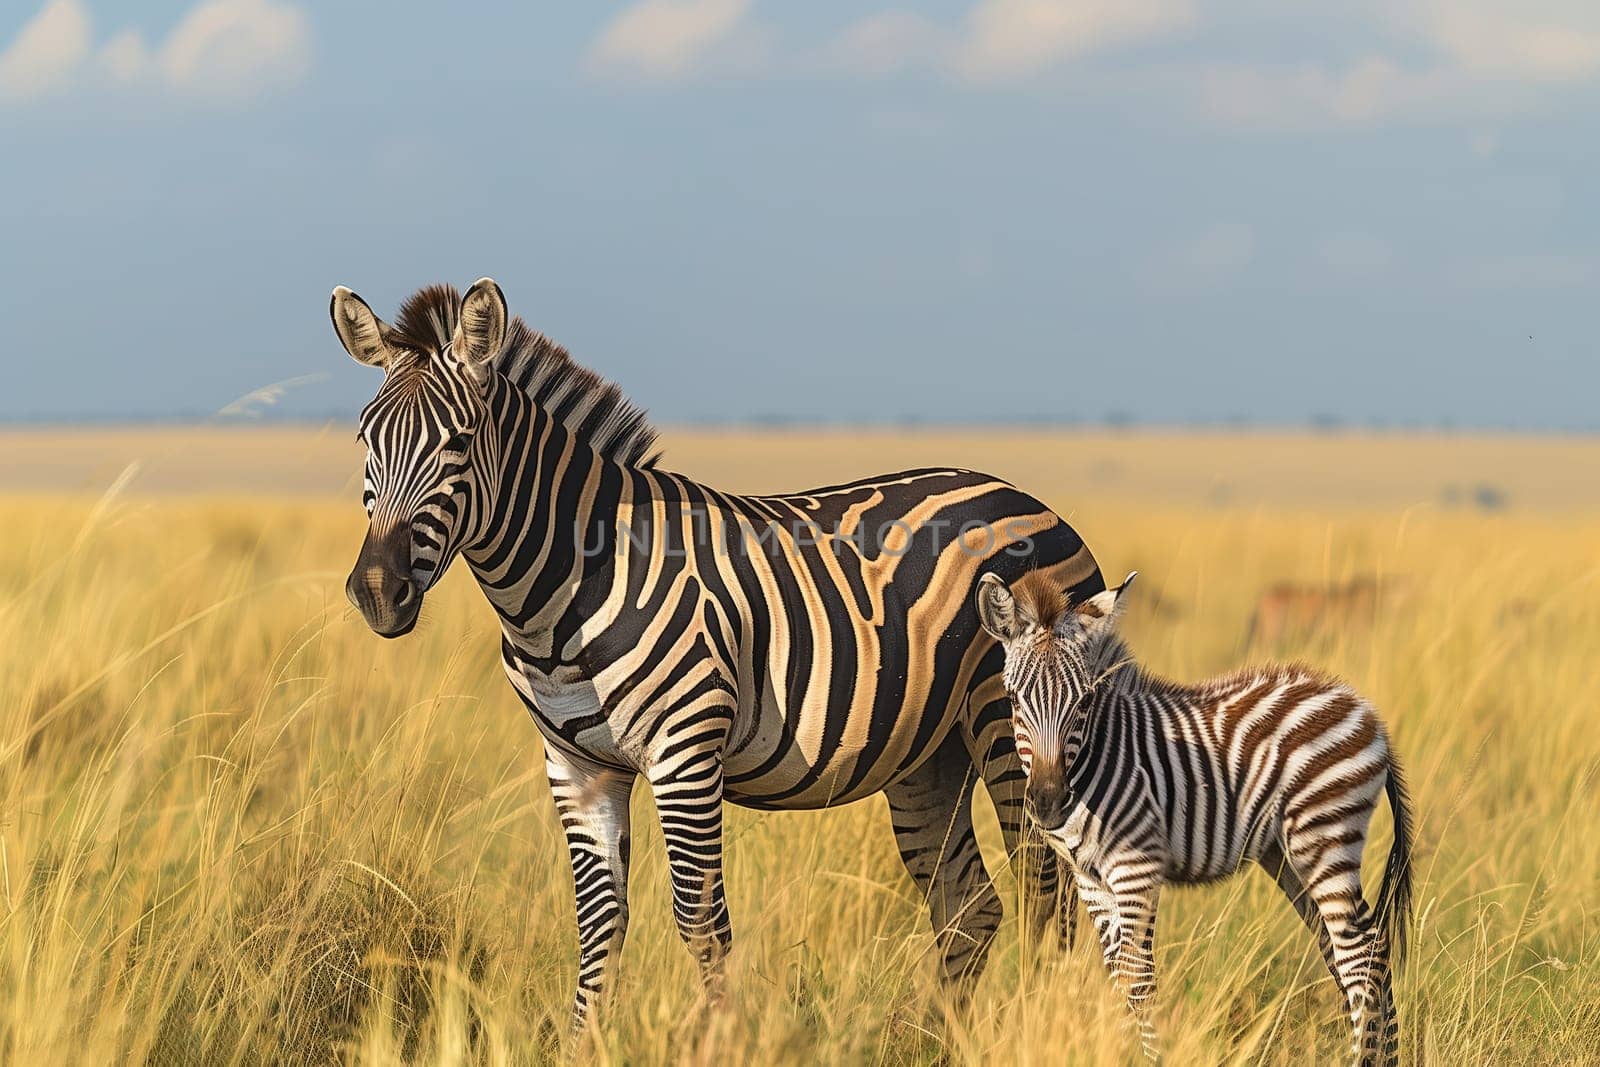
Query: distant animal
[1289, 610]
[1141, 782]
[792, 651]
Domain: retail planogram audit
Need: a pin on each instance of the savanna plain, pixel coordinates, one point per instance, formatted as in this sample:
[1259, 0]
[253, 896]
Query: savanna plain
[236, 827]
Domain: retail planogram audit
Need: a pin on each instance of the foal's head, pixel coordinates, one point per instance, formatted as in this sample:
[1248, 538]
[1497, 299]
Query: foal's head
[1056, 653]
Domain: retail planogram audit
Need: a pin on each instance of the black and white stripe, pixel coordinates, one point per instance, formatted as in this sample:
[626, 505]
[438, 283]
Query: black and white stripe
[1140, 783]
[790, 651]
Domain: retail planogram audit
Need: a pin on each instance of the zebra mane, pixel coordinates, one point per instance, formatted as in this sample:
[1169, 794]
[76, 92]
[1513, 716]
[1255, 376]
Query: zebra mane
[588, 405]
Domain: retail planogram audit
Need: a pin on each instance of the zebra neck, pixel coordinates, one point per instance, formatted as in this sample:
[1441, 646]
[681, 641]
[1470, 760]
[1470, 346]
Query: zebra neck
[530, 559]
[1134, 703]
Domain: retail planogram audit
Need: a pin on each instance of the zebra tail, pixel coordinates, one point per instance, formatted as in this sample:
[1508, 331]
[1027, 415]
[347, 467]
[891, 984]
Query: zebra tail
[1394, 910]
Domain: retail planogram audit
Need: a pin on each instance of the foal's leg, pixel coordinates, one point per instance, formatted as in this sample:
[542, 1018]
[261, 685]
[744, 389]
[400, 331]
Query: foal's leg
[1101, 906]
[1362, 959]
[592, 801]
[1276, 864]
[1124, 917]
[1136, 963]
[1326, 859]
[1380, 980]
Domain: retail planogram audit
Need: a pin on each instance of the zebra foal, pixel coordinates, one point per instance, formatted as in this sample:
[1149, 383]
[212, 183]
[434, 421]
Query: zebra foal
[1140, 782]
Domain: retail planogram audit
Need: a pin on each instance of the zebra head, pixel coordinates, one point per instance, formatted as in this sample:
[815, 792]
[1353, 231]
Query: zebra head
[1054, 659]
[427, 462]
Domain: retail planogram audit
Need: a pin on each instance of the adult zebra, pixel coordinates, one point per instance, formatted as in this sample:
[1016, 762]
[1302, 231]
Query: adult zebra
[794, 651]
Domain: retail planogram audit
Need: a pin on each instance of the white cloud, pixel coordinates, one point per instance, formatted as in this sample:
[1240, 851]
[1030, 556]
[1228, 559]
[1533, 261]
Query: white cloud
[220, 50]
[1372, 89]
[1014, 38]
[124, 58]
[667, 39]
[1410, 60]
[887, 43]
[47, 52]
[235, 48]
[1535, 40]
[1416, 60]
[1425, 60]
[1001, 40]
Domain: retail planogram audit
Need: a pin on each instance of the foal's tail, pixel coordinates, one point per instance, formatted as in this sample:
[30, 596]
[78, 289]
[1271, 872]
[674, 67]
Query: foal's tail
[1394, 895]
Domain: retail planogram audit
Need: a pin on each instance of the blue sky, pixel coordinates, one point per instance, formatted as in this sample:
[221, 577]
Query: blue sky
[974, 209]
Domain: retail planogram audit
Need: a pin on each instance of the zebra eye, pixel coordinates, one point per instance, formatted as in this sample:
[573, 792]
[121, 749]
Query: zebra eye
[459, 442]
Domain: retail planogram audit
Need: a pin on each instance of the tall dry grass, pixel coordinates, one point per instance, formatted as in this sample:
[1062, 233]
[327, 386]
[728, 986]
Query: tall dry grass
[236, 827]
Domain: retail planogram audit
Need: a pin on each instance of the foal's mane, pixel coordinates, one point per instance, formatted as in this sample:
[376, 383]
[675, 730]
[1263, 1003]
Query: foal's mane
[1039, 596]
[590, 407]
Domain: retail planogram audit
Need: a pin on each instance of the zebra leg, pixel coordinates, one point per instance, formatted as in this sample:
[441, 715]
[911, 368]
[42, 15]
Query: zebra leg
[1128, 902]
[592, 802]
[1357, 948]
[1136, 963]
[1327, 862]
[1380, 983]
[931, 811]
[1098, 902]
[1377, 1033]
[1047, 887]
[686, 779]
[1275, 863]
[1125, 918]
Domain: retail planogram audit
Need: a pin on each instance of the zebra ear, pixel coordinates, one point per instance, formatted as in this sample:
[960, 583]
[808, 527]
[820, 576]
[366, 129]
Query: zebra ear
[480, 328]
[363, 334]
[997, 609]
[1108, 603]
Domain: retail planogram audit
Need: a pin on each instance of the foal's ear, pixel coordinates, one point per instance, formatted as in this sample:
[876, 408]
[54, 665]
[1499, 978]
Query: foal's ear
[365, 336]
[1107, 605]
[997, 609]
[480, 328]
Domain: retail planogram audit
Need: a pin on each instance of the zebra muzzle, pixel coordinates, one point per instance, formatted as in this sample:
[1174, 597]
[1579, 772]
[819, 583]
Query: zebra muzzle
[381, 588]
[1047, 797]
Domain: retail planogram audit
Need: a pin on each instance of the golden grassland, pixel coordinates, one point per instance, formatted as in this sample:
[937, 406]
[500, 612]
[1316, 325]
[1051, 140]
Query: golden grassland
[236, 827]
